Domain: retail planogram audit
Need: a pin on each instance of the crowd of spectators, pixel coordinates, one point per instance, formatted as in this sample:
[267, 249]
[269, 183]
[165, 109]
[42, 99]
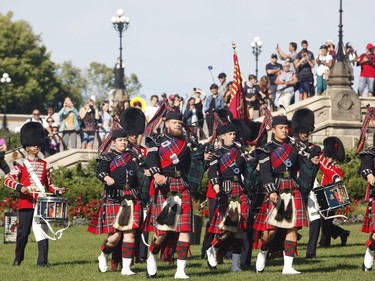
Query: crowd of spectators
[298, 76]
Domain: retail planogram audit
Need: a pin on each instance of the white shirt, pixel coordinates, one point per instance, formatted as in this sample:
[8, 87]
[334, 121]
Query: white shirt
[150, 111]
[323, 68]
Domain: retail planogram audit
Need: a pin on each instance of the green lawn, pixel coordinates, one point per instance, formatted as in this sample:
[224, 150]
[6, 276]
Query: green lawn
[74, 258]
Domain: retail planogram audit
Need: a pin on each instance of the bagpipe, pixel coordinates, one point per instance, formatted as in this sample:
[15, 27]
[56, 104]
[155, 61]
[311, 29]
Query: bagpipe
[370, 115]
[308, 170]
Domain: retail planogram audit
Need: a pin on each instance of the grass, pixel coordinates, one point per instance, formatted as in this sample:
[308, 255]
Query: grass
[74, 258]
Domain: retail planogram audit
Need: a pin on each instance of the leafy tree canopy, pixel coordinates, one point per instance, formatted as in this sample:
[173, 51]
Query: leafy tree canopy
[38, 82]
[26, 60]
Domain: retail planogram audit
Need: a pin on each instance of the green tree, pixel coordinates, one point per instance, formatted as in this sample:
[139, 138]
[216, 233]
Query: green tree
[133, 86]
[100, 78]
[28, 63]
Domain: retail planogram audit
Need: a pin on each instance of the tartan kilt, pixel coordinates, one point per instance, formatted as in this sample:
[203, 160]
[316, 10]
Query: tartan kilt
[301, 220]
[368, 225]
[223, 203]
[105, 217]
[185, 223]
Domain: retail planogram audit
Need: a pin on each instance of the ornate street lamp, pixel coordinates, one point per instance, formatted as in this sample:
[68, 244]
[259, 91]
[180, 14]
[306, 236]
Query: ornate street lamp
[120, 24]
[256, 44]
[5, 80]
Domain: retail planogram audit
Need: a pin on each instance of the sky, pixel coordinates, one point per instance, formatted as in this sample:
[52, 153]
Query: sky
[170, 43]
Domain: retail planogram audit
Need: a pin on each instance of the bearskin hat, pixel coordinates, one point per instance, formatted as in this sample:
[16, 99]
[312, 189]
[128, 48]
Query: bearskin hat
[333, 148]
[303, 121]
[243, 132]
[133, 121]
[32, 134]
[225, 115]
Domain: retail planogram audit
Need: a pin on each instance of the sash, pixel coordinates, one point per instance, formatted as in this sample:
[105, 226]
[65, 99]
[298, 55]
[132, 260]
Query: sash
[229, 160]
[168, 149]
[120, 161]
[281, 156]
[34, 177]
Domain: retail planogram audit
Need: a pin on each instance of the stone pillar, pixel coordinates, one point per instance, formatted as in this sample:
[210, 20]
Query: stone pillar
[346, 105]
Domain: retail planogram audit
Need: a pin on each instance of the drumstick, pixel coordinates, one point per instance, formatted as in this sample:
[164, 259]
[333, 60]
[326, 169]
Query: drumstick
[37, 192]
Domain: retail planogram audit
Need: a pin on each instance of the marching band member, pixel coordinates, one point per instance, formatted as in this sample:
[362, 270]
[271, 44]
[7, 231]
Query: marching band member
[119, 214]
[367, 170]
[283, 206]
[302, 125]
[168, 160]
[133, 121]
[231, 213]
[22, 179]
[333, 153]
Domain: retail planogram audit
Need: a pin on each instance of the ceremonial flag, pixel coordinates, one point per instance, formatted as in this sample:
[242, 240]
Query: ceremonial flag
[237, 103]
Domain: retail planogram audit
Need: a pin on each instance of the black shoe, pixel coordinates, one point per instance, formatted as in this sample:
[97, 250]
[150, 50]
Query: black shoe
[219, 259]
[16, 263]
[344, 237]
[311, 257]
[140, 260]
[42, 264]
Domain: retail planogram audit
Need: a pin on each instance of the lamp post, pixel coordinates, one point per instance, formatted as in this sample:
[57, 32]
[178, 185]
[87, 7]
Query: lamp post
[256, 44]
[5, 80]
[120, 24]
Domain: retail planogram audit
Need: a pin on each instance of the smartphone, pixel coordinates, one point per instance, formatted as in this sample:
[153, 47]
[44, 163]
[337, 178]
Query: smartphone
[2, 141]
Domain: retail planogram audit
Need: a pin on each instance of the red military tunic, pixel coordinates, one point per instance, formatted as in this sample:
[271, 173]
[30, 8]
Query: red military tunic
[19, 176]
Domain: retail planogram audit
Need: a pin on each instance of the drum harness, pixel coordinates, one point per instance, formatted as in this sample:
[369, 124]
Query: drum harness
[40, 189]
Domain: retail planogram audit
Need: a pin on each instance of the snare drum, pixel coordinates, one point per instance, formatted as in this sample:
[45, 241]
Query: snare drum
[52, 208]
[332, 197]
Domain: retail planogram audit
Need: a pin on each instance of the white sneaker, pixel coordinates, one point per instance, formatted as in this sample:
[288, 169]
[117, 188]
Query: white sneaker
[126, 262]
[211, 257]
[261, 261]
[102, 259]
[368, 260]
[180, 273]
[151, 265]
[288, 266]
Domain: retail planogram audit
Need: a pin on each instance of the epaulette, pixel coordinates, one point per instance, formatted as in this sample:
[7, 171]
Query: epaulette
[156, 139]
[264, 148]
[370, 151]
[103, 157]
